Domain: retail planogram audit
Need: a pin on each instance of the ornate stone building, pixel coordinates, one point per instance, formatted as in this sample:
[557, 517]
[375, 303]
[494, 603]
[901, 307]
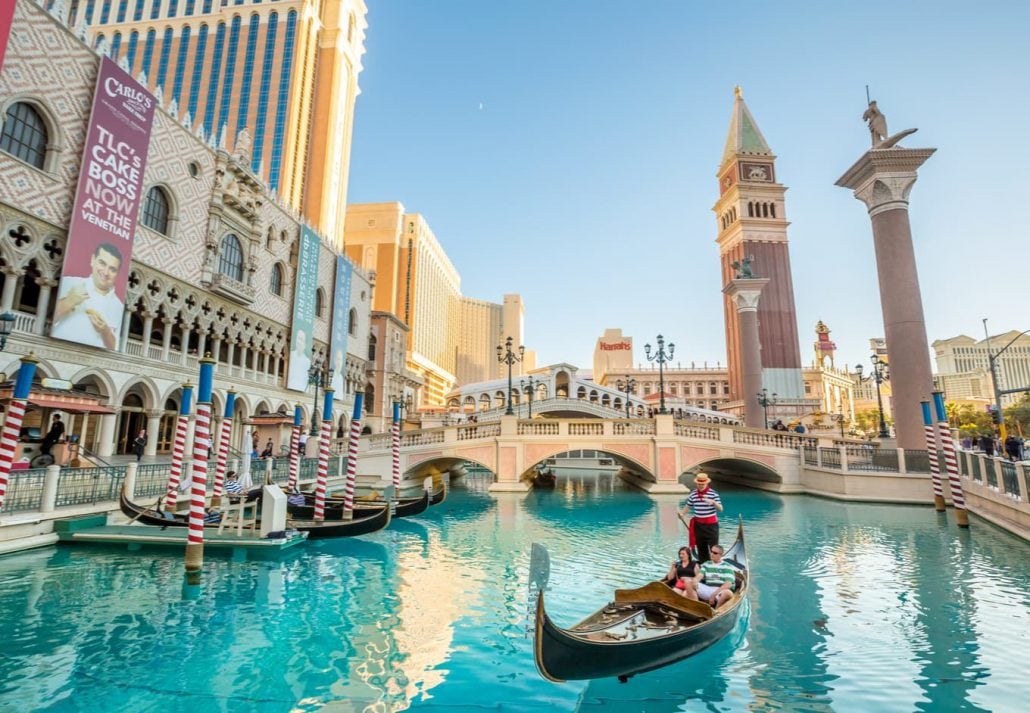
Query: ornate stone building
[213, 266]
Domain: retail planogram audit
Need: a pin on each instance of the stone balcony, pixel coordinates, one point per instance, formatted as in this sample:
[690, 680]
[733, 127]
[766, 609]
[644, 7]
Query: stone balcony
[232, 289]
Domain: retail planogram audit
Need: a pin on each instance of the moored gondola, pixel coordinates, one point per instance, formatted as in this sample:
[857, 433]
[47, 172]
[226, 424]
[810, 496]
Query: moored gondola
[641, 630]
[406, 507]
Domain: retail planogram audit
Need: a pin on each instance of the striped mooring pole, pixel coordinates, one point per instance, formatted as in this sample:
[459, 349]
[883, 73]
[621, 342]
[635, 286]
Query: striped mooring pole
[291, 483]
[179, 448]
[323, 454]
[12, 421]
[223, 447]
[198, 485]
[958, 498]
[396, 447]
[352, 458]
[931, 454]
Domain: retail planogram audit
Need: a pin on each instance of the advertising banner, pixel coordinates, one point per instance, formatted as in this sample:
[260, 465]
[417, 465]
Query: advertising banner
[91, 295]
[301, 338]
[341, 325]
[6, 20]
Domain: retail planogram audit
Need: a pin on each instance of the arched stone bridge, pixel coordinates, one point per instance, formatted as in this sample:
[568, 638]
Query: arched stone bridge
[654, 453]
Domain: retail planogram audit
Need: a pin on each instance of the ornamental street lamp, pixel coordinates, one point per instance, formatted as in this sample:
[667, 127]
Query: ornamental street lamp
[839, 419]
[404, 402]
[629, 386]
[6, 327]
[506, 355]
[881, 373]
[532, 388]
[992, 360]
[318, 377]
[765, 400]
[661, 356]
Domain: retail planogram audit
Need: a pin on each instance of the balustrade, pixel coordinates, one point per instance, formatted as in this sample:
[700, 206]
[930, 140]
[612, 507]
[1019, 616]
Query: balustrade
[692, 430]
[634, 428]
[592, 428]
[538, 428]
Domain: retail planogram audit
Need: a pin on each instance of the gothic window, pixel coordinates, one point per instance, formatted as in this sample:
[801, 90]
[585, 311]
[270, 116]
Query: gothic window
[765, 210]
[231, 260]
[772, 209]
[25, 134]
[372, 348]
[277, 280]
[319, 302]
[156, 210]
[352, 322]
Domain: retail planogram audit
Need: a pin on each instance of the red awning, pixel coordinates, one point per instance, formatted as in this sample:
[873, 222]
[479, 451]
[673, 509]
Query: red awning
[70, 405]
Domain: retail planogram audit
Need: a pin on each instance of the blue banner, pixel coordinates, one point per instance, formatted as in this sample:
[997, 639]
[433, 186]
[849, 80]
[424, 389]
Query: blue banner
[341, 325]
[301, 336]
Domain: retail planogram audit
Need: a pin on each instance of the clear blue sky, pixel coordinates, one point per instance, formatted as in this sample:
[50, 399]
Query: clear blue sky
[566, 150]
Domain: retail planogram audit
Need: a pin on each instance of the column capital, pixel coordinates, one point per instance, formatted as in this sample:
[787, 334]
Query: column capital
[883, 178]
[745, 292]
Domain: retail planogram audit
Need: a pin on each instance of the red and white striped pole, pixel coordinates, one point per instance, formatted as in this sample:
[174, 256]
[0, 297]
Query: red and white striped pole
[958, 498]
[323, 455]
[198, 485]
[291, 483]
[12, 421]
[179, 447]
[396, 447]
[931, 454]
[352, 458]
[223, 447]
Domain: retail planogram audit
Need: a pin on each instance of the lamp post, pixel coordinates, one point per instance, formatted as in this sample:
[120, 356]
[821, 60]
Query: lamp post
[318, 377]
[6, 327]
[765, 400]
[629, 386]
[509, 356]
[839, 419]
[661, 356]
[881, 373]
[404, 404]
[532, 389]
[992, 360]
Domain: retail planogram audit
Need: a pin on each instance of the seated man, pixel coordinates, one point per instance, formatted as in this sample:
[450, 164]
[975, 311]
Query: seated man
[718, 579]
[232, 484]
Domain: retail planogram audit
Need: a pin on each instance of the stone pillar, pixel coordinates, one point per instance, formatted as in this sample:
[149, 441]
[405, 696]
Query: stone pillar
[148, 329]
[202, 342]
[107, 426]
[11, 276]
[153, 426]
[744, 293]
[882, 179]
[166, 341]
[229, 355]
[46, 287]
[124, 336]
[184, 342]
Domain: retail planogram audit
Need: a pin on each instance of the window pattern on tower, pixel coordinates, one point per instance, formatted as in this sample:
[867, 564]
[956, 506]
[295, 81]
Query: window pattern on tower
[148, 51]
[198, 67]
[137, 13]
[180, 63]
[162, 65]
[116, 45]
[105, 11]
[123, 6]
[130, 54]
[230, 262]
[281, 101]
[266, 81]
[173, 8]
[248, 70]
[155, 10]
[212, 78]
[756, 209]
[89, 11]
[24, 134]
[230, 71]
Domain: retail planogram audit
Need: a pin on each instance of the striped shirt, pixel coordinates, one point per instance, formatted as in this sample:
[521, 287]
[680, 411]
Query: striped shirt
[700, 507]
[233, 487]
[716, 575]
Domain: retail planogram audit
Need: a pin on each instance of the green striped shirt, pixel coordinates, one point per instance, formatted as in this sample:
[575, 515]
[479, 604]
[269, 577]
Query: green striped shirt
[716, 575]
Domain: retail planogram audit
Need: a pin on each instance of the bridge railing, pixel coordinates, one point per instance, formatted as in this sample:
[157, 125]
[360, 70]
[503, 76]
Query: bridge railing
[772, 439]
[693, 429]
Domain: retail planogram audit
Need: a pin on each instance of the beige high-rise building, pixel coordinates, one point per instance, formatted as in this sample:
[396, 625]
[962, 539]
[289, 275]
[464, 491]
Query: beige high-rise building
[512, 322]
[613, 354]
[286, 71]
[415, 281]
[963, 366]
[478, 337]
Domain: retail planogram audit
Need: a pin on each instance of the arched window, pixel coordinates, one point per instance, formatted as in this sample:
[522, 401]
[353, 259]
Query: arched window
[352, 322]
[24, 135]
[277, 280]
[750, 210]
[319, 302]
[155, 210]
[372, 347]
[765, 210]
[231, 261]
[270, 239]
[772, 209]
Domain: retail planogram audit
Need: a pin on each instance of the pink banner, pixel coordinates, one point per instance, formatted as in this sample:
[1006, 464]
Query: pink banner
[6, 20]
[91, 296]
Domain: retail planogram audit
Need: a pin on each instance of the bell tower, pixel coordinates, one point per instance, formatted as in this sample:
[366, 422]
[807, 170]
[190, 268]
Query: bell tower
[752, 223]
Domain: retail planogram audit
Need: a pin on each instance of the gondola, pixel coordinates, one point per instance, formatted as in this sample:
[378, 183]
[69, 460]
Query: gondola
[406, 507]
[641, 630]
[315, 529]
[545, 479]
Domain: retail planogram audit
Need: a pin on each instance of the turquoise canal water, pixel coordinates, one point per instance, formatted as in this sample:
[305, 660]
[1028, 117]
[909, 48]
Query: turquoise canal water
[854, 608]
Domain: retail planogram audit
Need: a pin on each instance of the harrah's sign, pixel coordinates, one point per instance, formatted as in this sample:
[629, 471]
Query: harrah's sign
[615, 346]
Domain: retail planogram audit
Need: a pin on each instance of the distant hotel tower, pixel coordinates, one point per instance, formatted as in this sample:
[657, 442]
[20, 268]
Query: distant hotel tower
[752, 222]
[287, 70]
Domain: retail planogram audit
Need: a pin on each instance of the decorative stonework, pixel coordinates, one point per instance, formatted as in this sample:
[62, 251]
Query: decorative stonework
[883, 178]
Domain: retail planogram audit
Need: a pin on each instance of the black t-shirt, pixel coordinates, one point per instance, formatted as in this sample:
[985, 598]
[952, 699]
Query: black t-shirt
[56, 431]
[688, 571]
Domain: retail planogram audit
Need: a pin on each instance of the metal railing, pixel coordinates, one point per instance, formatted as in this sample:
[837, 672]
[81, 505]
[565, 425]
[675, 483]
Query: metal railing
[24, 490]
[880, 460]
[1010, 479]
[918, 461]
[279, 472]
[88, 486]
[976, 470]
[810, 452]
[992, 475]
[308, 469]
[830, 458]
[151, 479]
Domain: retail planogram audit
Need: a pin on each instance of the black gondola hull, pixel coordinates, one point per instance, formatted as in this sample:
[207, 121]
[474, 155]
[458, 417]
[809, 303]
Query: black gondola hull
[324, 529]
[406, 507]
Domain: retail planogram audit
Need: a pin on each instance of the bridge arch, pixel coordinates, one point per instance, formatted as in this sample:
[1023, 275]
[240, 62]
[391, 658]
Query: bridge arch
[737, 469]
[626, 461]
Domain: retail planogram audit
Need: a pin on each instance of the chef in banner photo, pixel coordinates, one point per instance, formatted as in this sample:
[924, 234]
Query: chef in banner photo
[88, 311]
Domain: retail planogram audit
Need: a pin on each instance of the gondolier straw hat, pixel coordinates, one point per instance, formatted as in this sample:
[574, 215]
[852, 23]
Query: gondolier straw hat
[702, 479]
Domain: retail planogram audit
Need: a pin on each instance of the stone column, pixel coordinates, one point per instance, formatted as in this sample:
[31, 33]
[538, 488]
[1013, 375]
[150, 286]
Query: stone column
[148, 329]
[46, 287]
[107, 427]
[202, 341]
[229, 355]
[124, 336]
[745, 292]
[882, 179]
[153, 426]
[184, 342]
[11, 276]
[166, 339]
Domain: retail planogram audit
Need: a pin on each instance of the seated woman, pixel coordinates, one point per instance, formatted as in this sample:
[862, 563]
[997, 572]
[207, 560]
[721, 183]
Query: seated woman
[268, 452]
[683, 574]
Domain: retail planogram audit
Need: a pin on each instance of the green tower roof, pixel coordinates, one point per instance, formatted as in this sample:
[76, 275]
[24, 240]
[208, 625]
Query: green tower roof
[744, 136]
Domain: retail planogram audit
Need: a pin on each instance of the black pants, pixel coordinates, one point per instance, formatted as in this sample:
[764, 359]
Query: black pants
[706, 537]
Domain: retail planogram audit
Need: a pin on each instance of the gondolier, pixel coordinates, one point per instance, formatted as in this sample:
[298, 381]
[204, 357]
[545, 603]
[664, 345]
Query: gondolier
[704, 524]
